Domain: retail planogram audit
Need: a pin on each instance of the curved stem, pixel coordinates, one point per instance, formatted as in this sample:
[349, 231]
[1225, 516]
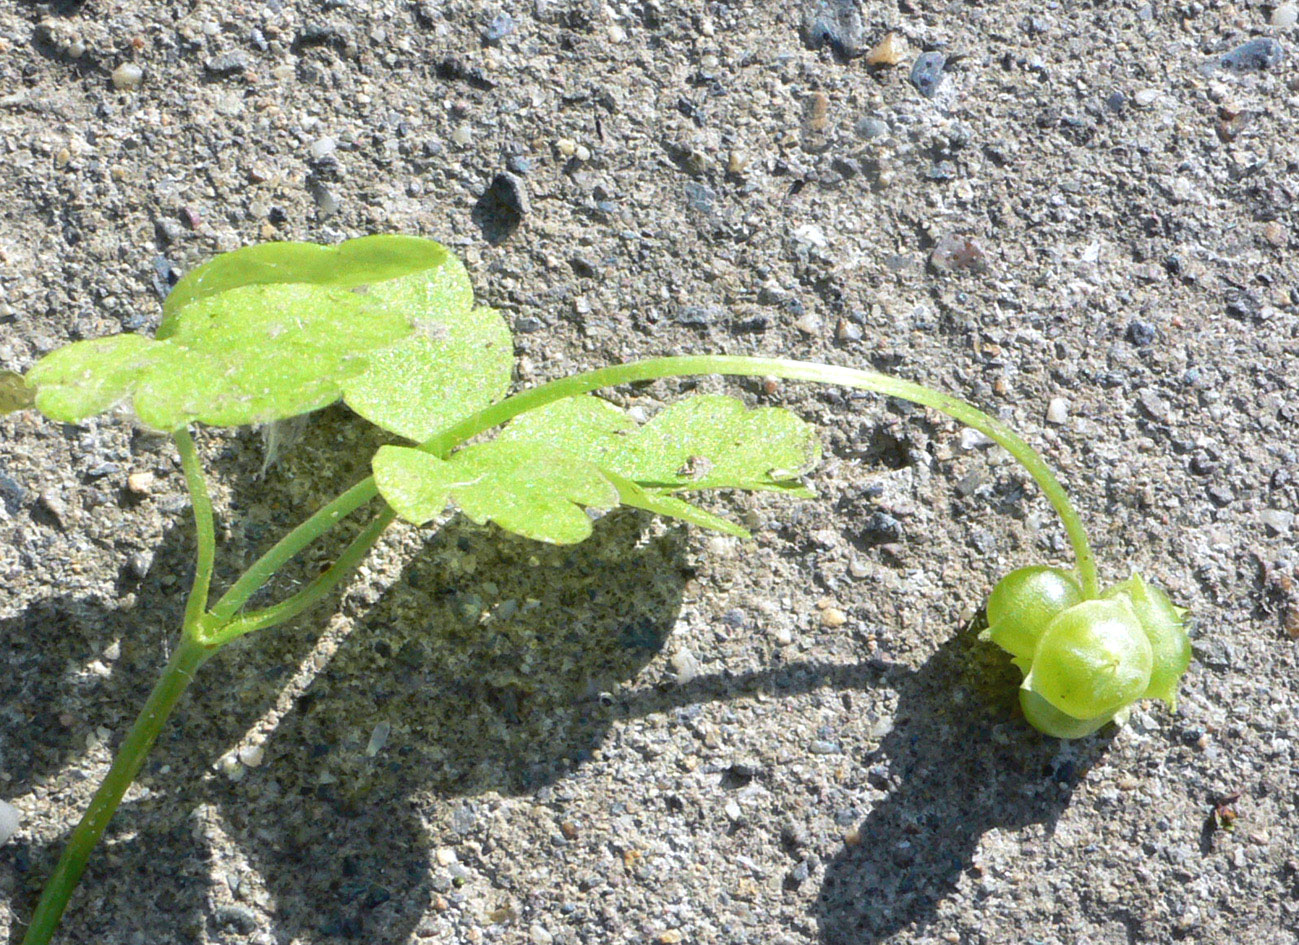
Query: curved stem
[187, 658]
[265, 567]
[793, 370]
[352, 555]
[203, 526]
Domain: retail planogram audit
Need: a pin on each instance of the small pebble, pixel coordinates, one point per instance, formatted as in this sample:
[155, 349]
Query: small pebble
[1141, 334]
[809, 324]
[818, 111]
[972, 439]
[1146, 97]
[127, 76]
[1057, 411]
[378, 738]
[251, 756]
[1277, 521]
[322, 148]
[140, 483]
[8, 821]
[1285, 16]
[837, 22]
[927, 72]
[872, 128]
[953, 252]
[1256, 55]
[462, 135]
[501, 26]
[887, 52]
[685, 665]
[833, 617]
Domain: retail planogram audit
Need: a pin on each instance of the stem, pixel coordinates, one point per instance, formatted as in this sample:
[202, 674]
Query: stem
[793, 370]
[203, 526]
[264, 568]
[189, 655]
[352, 555]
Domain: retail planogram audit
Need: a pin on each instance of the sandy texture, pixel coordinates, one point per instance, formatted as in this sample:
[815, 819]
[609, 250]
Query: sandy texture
[1088, 227]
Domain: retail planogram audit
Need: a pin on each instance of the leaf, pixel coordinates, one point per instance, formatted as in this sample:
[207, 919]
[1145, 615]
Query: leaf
[701, 443]
[704, 442]
[669, 505]
[248, 355]
[365, 261]
[459, 361]
[14, 392]
[712, 441]
[534, 492]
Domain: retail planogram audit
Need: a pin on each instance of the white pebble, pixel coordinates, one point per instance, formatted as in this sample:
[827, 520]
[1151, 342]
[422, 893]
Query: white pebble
[378, 738]
[1146, 97]
[1057, 411]
[809, 324]
[1285, 16]
[127, 76]
[322, 148]
[685, 665]
[252, 755]
[8, 821]
[972, 439]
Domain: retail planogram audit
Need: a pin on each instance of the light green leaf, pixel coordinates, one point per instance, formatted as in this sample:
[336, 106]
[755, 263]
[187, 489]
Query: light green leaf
[365, 261]
[704, 442]
[658, 503]
[712, 441]
[249, 355]
[700, 443]
[524, 489]
[458, 362]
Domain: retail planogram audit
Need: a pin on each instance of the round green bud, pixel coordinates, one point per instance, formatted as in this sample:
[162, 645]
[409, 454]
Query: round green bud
[1092, 659]
[1164, 625]
[1046, 718]
[1023, 603]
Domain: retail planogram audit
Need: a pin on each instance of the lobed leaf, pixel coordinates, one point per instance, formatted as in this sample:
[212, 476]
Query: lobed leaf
[704, 442]
[364, 261]
[532, 492]
[248, 355]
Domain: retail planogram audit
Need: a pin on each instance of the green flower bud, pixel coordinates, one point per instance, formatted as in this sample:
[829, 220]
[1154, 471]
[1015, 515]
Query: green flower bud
[1092, 660]
[1165, 627]
[1023, 603]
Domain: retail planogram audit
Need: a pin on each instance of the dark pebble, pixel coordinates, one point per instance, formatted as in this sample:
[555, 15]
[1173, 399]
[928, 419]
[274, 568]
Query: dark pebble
[698, 316]
[881, 528]
[927, 72]
[837, 22]
[1258, 54]
[1141, 334]
[227, 64]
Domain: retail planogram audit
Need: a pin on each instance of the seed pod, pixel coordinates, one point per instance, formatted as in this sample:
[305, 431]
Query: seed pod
[1046, 718]
[1023, 603]
[1164, 625]
[1092, 660]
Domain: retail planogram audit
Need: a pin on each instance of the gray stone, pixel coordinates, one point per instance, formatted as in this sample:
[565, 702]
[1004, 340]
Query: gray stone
[837, 22]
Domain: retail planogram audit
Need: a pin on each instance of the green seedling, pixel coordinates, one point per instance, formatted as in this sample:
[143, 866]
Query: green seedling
[388, 325]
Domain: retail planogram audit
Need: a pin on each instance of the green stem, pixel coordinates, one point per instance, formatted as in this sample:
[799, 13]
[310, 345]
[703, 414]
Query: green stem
[264, 568]
[276, 614]
[187, 658]
[203, 526]
[793, 370]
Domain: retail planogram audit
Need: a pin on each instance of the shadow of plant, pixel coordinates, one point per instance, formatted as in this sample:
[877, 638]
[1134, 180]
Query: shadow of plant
[485, 660]
[953, 770]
